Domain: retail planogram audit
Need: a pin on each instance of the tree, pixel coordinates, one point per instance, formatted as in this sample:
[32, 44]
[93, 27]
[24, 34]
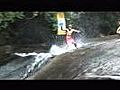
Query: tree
[9, 17]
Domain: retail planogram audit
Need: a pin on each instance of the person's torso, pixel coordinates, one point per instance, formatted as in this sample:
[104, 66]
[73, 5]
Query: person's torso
[69, 32]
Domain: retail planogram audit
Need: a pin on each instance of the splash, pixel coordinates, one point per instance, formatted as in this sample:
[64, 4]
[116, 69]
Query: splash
[57, 50]
[41, 58]
[26, 54]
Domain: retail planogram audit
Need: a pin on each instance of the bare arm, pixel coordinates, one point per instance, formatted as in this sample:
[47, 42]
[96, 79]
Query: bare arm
[76, 30]
[65, 29]
[118, 30]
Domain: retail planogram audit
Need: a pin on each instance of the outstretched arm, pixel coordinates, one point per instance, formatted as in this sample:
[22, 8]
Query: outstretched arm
[118, 30]
[76, 31]
[64, 29]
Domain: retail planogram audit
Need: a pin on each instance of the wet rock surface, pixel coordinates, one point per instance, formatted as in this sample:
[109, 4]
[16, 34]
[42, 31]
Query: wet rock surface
[99, 60]
[14, 69]
[13, 66]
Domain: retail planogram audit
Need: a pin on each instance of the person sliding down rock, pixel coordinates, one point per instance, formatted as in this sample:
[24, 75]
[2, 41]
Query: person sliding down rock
[118, 29]
[68, 37]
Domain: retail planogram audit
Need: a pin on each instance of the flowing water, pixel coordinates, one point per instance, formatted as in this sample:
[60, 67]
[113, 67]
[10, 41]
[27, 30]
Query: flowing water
[104, 65]
[26, 64]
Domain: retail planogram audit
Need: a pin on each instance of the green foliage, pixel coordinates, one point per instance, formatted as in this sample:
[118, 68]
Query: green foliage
[52, 19]
[88, 22]
[9, 17]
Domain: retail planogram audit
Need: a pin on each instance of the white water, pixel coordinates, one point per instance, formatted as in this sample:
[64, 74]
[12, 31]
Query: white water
[26, 54]
[41, 58]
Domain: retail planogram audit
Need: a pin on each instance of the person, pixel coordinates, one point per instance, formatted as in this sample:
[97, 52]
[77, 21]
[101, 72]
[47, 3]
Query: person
[118, 29]
[35, 14]
[68, 37]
